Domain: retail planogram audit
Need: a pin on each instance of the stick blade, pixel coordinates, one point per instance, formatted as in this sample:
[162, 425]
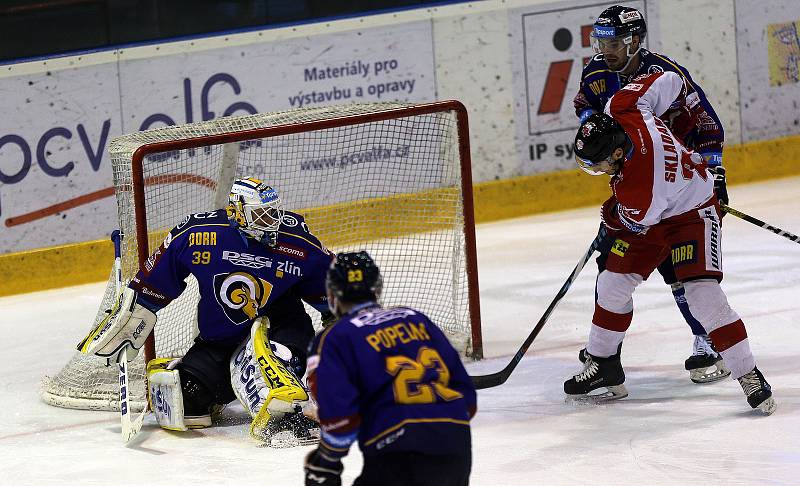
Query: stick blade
[131, 428]
[488, 381]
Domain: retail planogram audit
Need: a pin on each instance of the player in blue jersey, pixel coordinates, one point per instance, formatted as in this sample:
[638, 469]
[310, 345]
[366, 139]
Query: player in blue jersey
[254, 263]
[617, 37]
[390, 379]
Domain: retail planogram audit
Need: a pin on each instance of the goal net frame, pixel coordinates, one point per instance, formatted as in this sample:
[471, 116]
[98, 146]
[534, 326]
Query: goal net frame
[380, 112]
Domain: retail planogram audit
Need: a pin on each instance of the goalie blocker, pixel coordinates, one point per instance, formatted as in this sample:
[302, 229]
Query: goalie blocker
[127, 324]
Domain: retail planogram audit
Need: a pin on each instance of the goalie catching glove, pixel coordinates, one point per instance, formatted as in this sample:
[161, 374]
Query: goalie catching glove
[126, 326]
[264, 384]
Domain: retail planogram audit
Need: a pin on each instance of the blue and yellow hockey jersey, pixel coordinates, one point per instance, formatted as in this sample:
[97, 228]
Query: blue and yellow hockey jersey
[390, 379]
[238, 276]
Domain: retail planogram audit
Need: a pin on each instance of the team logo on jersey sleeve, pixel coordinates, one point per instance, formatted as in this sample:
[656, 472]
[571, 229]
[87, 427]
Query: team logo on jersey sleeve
[241, 295]
[183, 222]
[290, 220]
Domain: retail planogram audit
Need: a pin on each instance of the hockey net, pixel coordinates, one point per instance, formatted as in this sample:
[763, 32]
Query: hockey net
[391, 178]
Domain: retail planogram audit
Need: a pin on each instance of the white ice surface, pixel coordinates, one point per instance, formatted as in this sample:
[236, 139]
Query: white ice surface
[668, 431]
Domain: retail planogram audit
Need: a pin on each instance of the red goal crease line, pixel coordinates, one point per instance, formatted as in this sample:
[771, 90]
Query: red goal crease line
[107, 192]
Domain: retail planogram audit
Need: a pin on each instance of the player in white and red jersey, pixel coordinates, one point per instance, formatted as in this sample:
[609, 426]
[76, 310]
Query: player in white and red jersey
[617, 36]
[663, 205]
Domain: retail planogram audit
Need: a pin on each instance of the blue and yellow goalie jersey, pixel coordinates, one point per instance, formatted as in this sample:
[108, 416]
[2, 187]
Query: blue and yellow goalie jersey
[238, 276]
[390, 379]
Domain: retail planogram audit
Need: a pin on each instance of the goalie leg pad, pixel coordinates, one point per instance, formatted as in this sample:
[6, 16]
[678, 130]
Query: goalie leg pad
[264, 384]
[128, 324]
[178, 400]
[166, 393]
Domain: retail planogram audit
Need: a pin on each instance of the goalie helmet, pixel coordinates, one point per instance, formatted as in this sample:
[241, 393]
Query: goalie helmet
[256, 208]
[597, 138]
[353, 278]
[613, 31]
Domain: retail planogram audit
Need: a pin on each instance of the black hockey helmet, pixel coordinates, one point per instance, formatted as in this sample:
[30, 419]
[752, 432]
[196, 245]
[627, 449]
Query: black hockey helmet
[620, 21]
[354, 278]
[614, 30]
[597, 138]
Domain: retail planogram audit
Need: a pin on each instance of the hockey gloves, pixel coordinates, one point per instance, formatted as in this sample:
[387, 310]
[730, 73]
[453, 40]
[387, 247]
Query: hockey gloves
[720, 184]
[328, 319]
[681, 120]
[684, 114]
[610, 217]
[321, 471]
[126, 326]
[606, 240]
[614, 220]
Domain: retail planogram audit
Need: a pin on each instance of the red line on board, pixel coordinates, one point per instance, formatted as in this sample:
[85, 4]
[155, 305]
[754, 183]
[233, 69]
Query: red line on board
[107, 192]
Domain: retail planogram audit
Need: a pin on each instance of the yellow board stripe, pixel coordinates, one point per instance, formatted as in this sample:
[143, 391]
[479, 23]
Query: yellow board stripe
[437, 205]
[91, 261]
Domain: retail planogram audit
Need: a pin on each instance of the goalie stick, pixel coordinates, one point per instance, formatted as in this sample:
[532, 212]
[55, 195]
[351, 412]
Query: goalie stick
[129, 427]
[760, 223]
[500, 377]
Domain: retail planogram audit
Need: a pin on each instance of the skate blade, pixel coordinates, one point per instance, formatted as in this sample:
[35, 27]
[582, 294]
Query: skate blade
[767, 406]
[612, 393]
[702, 376]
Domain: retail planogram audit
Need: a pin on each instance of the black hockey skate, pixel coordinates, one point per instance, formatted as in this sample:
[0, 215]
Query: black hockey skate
[598, 373]
[705, 365]
[758, 391]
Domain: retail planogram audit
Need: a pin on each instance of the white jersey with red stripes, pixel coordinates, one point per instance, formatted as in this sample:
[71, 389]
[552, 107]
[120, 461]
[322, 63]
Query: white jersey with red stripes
[660, 177]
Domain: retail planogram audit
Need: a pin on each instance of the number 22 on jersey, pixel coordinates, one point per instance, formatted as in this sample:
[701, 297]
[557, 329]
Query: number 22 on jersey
[408, 386]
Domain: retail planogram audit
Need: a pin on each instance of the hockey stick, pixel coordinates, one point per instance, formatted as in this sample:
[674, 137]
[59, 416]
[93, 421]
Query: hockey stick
[129, 427]
[500, 377]
[760, 223]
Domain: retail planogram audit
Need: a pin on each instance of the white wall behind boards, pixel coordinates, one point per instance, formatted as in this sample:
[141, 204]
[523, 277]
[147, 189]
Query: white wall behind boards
[52, 151]
[769, 67]
[701, 35]
[494, 56]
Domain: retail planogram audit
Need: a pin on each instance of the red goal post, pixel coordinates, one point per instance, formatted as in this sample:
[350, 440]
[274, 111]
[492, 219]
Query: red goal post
[391, 178]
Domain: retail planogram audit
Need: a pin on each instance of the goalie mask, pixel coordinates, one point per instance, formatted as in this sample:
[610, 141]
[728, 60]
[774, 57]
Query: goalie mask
[256, 208]
[353, 278]
[612, 35]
